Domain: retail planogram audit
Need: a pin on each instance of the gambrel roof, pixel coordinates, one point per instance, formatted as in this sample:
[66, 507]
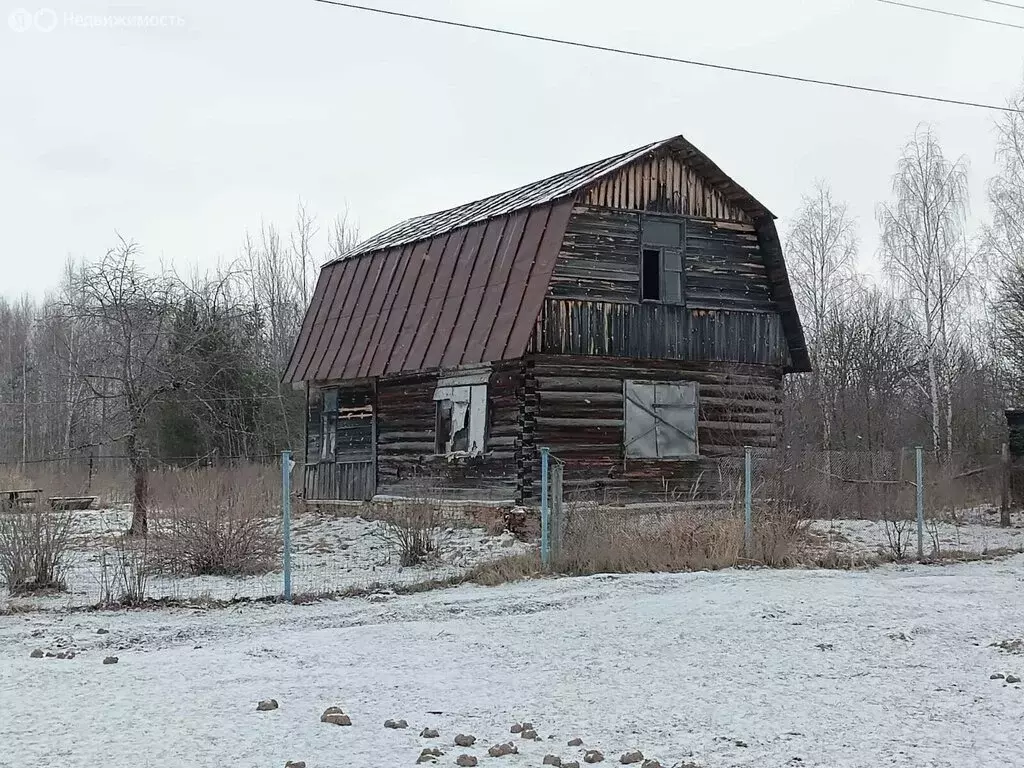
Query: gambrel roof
[466, 285]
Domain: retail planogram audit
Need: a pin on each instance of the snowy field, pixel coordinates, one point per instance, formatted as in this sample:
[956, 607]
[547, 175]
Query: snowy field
[331, 553]
[976, 533]
[889, 666]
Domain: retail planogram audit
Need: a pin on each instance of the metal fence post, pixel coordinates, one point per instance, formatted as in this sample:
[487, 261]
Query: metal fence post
[920, 501]
[748, 521]
[545, 508]
[286, 520]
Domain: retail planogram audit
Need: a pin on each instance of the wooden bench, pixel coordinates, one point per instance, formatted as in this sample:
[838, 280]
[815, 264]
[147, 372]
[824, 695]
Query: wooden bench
[71, 503]
[21, 496]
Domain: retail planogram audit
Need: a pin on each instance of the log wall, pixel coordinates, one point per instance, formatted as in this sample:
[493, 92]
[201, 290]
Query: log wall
[406, 434]
[574, 405]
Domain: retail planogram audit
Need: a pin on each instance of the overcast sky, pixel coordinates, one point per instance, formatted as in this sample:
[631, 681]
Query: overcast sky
[181, 136]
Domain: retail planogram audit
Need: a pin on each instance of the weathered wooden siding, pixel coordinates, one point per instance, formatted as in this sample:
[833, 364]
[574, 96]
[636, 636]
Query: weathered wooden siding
[600, 258]
[406, 431]
[614, 329]
[348, 473]
[339, 480]
[574, 405]
[666, 184]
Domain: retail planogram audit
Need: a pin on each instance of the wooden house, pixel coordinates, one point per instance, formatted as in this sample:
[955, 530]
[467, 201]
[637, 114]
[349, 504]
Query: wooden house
[634, 315]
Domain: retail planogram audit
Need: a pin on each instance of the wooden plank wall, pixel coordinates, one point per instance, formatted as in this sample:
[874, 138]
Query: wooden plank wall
[600, 256]
[349, 473]
[615, 329]
[406, 463]
[337, 480]
[665, 184]
[574, 405]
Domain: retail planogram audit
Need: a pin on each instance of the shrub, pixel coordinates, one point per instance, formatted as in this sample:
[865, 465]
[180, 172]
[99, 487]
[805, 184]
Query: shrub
[124, 572]
[218, 522]
[35, 548]
[414, 530]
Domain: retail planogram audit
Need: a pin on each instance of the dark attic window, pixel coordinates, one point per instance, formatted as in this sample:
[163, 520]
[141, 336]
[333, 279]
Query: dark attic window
[650, 274]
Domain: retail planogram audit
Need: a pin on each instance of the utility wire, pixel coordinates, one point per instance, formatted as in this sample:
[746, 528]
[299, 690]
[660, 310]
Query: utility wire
[1006, 5]
[940, 12]
[672, 59]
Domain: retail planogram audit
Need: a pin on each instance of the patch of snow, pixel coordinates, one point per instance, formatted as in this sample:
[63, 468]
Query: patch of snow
[736, 668]
[330, 553]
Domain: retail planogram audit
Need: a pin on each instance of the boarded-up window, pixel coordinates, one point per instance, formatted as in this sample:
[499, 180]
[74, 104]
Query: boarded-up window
[461, 412]
[661, 419]
[663, 241]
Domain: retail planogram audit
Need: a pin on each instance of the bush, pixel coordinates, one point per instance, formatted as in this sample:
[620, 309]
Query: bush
[34, 548]
[414, 530]
[217, 522]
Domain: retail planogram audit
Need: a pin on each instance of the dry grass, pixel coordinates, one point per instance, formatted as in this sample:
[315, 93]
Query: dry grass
[215, 521]
[109, 483]
[673, 538]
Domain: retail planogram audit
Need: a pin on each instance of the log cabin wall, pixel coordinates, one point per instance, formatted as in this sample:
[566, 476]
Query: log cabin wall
[407, 463]
[574, 405]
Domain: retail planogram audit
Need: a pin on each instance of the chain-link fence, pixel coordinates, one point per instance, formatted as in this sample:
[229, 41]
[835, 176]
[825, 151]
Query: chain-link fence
[215, 533]
[785, 507]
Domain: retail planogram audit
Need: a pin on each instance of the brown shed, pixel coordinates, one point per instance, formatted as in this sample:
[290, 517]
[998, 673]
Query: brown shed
[633, 314]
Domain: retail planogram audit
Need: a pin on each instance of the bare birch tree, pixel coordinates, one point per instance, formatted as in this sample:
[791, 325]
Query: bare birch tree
[1003, 242]
[925, 252]
[822, 251]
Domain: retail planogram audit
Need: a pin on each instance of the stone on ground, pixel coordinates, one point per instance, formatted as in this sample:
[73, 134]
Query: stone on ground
[554, 760]
[500, 750]
[36, 654]
[466, 761]
[593, 756]
[629, 758]
[577, 742]
[102, 631]
[516, 727]
[110, 660]
[396, 724]
[266, 705]
[429, 733]
[295, 764]
[651, 764]
[529, 733]
[335, 716]
[1012, 679]
[465, 740]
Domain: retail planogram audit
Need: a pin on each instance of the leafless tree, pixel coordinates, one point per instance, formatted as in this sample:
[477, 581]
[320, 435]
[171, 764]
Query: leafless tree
[925, 252]
[1003, 241]
[822, 253]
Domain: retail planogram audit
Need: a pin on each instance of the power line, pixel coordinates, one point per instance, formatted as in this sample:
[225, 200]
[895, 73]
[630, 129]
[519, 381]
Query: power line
[671, 59]
[940, 12]
[1006, 5]
[232, 399]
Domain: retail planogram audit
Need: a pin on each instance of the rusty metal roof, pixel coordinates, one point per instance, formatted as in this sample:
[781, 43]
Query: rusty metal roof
[467, 296]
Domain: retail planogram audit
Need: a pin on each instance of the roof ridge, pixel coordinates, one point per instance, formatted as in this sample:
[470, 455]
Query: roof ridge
[528, 195]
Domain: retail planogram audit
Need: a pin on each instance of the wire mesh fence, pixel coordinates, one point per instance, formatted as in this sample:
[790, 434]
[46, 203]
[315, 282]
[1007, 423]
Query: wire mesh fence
[789, 507]
[216, 534]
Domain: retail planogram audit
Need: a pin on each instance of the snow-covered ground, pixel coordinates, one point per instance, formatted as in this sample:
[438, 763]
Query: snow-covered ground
[975, 533]
[331, 553]
[889, 666]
